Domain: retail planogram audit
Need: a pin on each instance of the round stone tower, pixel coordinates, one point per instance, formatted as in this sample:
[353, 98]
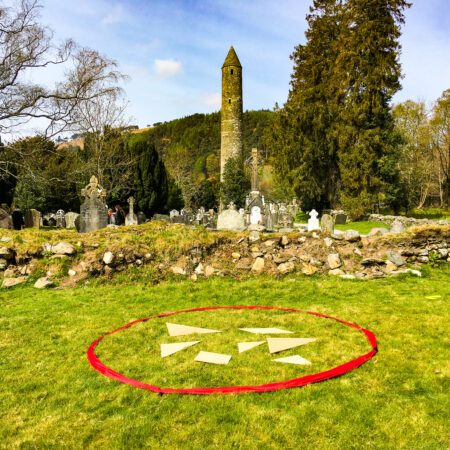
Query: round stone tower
[231, 113]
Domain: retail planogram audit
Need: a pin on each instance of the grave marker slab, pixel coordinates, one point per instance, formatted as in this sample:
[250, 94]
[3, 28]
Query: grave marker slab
[93, 212]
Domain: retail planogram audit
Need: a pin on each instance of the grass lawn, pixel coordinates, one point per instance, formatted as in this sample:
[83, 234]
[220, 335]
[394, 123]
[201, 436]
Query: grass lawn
[362, 227]
[52, 397]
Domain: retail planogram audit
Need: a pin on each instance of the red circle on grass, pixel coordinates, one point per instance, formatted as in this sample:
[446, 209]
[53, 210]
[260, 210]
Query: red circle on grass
[302, 381]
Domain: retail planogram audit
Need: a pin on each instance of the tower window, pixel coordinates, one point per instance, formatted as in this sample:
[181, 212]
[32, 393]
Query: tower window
[231, 71]
[229, 100]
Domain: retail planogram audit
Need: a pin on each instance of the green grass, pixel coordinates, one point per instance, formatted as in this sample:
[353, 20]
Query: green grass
[362, 227]
[425, 213]
[51, 397]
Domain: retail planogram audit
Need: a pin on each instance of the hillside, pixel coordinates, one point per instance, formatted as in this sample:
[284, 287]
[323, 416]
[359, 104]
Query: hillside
[199, 134]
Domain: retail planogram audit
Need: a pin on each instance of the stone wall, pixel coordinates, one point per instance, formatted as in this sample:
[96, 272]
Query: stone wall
[347, 255]
[406, 221]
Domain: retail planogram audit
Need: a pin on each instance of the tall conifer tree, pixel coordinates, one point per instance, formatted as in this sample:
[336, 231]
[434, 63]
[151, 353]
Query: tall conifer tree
[302, 138]
[335, 135]
[369, 71]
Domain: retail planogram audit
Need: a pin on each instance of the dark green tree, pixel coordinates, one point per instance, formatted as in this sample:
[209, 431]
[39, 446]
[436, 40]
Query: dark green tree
[369, 72]
[235, 184]
[204, 196]
[8, 179]
[174, 196]
[302, 136]
[151, 181]
[46, 177]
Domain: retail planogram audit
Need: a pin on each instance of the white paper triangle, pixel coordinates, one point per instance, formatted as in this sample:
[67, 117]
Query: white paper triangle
[279, 344]
[170, 349]
[183, 330]
[293, 360]
[265, 330]
[213, 358]
[244, 346]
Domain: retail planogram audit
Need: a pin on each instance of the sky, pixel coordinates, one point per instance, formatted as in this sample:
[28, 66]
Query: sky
[173, 50]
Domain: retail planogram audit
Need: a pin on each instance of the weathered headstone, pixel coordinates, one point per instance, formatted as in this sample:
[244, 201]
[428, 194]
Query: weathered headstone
[93, 212]
[60, 219]
[340, 219]
[141, 217]
[230, 219]
[131, 218]
[5, 220]
[70, 219]
[313, 222]
[327, 224]
[32, 219]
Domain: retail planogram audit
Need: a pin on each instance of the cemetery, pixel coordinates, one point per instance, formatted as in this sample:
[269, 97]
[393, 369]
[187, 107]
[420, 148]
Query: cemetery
[260, 278]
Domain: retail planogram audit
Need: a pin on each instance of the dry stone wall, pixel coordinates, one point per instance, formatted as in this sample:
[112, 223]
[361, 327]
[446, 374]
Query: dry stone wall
[348, 255]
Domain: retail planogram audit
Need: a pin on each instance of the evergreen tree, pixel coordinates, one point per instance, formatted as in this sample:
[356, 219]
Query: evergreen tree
[236, 183]
[369, 73]
[151, 181]
[174, 197]
[301, 138]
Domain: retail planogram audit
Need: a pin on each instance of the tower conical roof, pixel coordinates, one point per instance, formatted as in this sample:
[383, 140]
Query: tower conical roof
[231, 59]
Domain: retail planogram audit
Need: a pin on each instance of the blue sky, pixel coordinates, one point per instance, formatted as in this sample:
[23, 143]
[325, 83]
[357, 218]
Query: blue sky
[173, 50]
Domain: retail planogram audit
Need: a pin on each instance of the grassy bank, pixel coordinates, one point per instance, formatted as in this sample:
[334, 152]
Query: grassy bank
[50, 396]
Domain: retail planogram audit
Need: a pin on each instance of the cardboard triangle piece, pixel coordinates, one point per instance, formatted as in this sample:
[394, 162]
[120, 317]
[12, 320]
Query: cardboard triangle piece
[183, 330]
[213, 358]
[244, 346]
[170, 349]
[293, 360]
[265, 330]
[279, 344]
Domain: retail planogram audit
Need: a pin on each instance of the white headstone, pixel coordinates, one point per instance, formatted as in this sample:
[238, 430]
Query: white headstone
[313, 222]
[255, 216]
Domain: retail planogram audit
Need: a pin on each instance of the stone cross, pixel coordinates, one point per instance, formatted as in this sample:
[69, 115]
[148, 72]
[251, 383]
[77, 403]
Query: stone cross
[313, 222]
[93, 189]
[255, 162]
[131, 203]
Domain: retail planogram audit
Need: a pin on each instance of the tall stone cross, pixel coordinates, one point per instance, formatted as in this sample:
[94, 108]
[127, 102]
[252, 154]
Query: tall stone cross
[255, 162]
[131, 203]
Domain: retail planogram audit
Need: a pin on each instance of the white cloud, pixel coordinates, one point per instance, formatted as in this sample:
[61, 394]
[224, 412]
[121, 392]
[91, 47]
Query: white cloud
[115, 16]
[166, 68]
[212, 100]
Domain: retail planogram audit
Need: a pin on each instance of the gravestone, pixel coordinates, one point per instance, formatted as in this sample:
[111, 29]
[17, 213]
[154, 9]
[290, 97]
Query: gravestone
[131, 218]
[60, 219]
[70, 219]
[255, 215]
[230, 219]
[5, 220]
[32, 219]
[77, 222]
[340, 219]
[141, 218]
[174, 213]
[313, 222]
[93, 212]
[327, 224]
